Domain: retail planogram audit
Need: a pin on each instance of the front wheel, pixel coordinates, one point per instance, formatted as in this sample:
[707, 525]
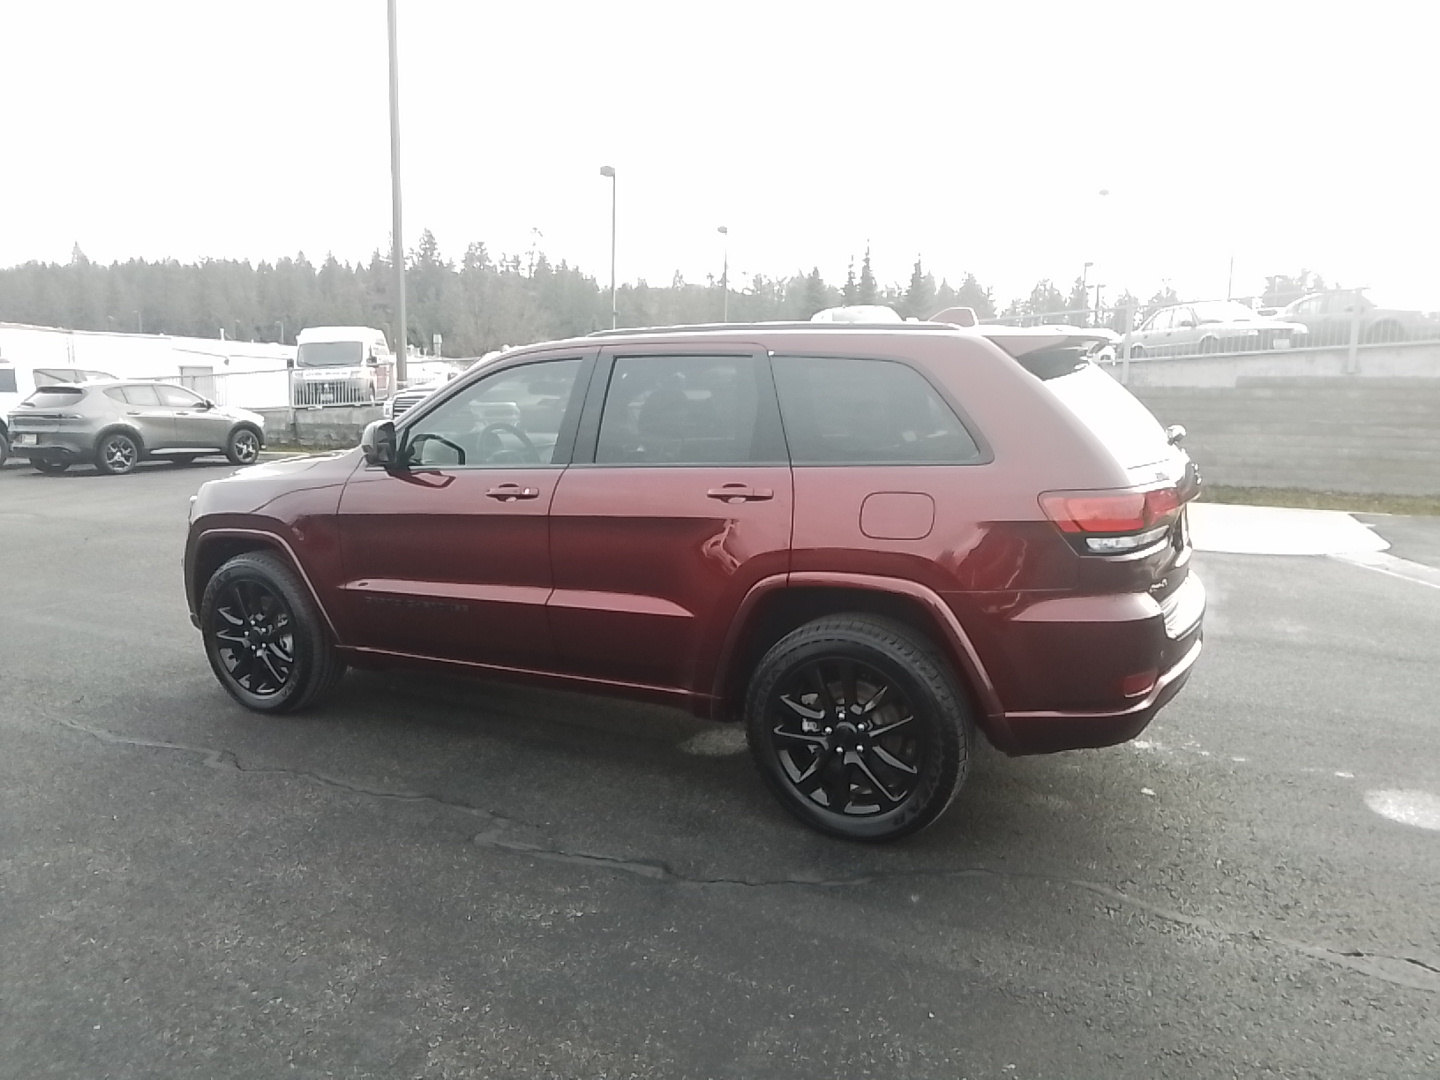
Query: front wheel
[858, 728]
[117, 454]
[243, 447]
[264, 636]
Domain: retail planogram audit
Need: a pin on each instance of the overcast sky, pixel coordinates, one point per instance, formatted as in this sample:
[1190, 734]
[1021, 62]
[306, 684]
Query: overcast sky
[977, 136]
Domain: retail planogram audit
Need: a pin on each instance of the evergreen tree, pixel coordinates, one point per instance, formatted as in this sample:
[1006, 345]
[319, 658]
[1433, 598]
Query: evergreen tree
[920, 296]
[868, 292]
[851, 292]
[1079, 303]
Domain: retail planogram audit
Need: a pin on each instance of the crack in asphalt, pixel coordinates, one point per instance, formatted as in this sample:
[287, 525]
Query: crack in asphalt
[1405, 971]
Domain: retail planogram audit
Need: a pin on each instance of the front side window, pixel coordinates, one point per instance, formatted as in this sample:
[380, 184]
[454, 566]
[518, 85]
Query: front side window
[685, 410]
[509, 420]
[1159, 321]
[177, 398]
[866, 412]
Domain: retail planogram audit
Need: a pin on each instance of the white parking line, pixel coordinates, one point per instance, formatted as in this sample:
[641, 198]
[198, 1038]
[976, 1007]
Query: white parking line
[1396, 567]
[1278, 530]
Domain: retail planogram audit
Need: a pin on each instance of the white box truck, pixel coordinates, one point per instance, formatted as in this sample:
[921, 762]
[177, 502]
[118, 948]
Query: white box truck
[341, 365]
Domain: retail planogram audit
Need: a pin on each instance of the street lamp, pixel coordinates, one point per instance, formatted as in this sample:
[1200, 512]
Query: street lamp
[397, 235]
[609, 170]
[724, 231]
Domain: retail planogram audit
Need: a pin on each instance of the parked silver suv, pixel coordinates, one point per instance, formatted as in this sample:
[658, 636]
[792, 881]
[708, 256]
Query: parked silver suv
[118, 424]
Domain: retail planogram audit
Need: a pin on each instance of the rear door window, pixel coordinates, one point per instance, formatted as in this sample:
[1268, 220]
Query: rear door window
[853, 411]
[141, 395]
[689, 410]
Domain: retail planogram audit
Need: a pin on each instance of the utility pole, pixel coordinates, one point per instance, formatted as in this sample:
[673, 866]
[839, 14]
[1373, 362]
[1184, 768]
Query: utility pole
[609, 171]
[397, 234]
[724, 230]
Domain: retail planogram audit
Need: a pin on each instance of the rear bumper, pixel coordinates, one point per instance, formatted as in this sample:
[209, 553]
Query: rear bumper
[1048, 732]
[51, 446]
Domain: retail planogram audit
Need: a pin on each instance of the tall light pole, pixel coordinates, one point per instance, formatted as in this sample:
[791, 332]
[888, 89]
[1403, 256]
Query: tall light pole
[724, 231]
[397, 235]
[609, 170]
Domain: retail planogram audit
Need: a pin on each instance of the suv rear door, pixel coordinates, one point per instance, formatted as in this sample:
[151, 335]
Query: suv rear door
[447, 555]
[679, 501]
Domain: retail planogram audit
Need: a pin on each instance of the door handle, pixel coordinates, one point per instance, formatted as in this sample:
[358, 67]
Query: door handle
[512, 492]
[738, 493]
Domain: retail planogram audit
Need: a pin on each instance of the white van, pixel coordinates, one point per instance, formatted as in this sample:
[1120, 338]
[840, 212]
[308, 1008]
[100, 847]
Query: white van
[19, 380]
[341, 365]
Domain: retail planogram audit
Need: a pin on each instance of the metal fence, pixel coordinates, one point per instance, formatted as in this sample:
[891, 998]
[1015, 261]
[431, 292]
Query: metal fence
[1337, 318]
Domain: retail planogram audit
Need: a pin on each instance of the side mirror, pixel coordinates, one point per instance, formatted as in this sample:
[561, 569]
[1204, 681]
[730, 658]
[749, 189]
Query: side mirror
[378, 444]
[209, 404]
[1174, 434]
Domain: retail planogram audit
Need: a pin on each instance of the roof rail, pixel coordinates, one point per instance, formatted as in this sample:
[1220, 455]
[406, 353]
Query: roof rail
[819, 327]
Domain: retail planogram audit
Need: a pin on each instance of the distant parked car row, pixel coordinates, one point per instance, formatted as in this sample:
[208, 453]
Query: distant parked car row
[1317, 320]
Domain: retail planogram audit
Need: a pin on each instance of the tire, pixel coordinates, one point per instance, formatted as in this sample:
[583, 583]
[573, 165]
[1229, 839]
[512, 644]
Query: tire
[243, 446]
[256, 602]
[49, 468]
[891, 776]
[1137, 351]
[4, 449]
[117, 453]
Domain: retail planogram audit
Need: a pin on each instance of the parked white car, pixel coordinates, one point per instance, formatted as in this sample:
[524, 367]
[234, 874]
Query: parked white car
[1213, 326]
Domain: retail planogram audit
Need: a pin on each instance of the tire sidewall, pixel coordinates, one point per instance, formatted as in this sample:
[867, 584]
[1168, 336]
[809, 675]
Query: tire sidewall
[946, 736]
[103, 464]
[259, 569]
[231, 446]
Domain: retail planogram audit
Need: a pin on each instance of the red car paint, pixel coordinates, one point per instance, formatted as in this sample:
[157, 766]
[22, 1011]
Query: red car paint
[666, 582]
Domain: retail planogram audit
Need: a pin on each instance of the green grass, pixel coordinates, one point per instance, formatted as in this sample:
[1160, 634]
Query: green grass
[1322, 500]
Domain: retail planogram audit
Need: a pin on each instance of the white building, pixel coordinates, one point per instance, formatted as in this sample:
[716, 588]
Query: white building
[244, 373]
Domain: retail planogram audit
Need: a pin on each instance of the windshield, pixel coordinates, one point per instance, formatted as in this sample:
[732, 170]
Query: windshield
[330, 354]
[1214, 311]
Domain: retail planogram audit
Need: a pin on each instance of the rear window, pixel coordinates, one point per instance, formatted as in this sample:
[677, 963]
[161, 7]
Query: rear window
[52, 397]
[1113, 414]
[854, 411]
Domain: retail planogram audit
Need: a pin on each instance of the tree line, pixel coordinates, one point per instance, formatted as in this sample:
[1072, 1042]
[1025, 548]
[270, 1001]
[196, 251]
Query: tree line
[476, 304]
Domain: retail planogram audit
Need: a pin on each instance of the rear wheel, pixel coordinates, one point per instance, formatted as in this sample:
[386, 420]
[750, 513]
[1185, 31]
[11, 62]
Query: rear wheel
[243, 447]
[264, 636]
[1137, 351]
[858, 727]
[117, 454]
[49, 467]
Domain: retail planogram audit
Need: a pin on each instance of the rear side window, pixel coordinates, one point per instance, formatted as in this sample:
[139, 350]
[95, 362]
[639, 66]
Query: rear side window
[54, 397]
[851, 411]
[176, 397]
[688, 410]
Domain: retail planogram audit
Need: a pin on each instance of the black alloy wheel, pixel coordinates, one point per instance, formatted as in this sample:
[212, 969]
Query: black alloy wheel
[117, 454]
[254, 633]
[243, 447]
[266, 641]
[858, 728]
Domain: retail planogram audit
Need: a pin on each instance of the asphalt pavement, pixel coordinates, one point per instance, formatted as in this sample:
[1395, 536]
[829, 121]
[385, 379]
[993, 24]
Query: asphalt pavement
[437, 878]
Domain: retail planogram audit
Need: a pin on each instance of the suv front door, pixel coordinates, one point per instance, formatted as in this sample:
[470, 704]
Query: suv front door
[143, 410]
[678, 503]
[198, 425]
[446, 555]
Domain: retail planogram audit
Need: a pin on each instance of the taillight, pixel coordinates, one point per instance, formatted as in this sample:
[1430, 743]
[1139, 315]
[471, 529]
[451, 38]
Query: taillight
[1112, 522]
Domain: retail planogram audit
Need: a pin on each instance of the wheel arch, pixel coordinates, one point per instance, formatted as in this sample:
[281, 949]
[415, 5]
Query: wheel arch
[124, 429]
[246, 425]
[776, 607]
[213, 549]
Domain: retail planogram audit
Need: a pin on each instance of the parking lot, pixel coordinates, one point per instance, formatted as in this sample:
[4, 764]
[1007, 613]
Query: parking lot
[437, 878]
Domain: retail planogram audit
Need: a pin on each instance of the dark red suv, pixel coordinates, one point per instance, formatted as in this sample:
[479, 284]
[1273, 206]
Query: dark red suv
[865, 542]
